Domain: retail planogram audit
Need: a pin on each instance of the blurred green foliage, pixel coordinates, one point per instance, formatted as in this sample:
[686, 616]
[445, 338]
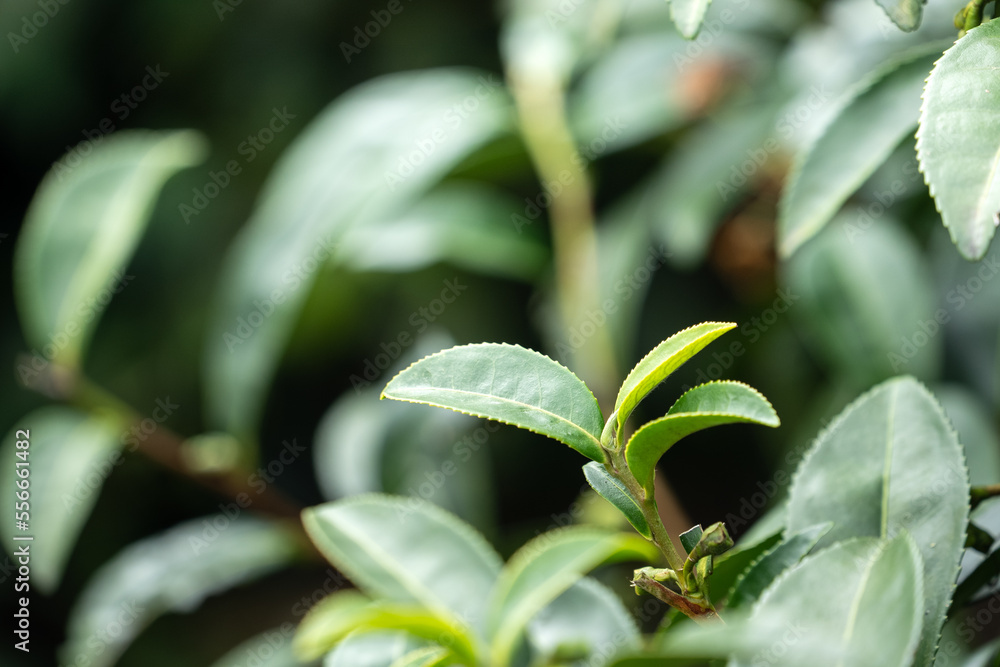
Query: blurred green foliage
[687, 145]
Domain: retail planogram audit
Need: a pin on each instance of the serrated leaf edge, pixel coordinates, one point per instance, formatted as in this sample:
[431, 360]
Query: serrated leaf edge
[879, 544]
[843, 415]
[473, 537]
[788, 245]
[767, 552]
[921, 156]
[728, 326]
[727, 382]
[614, 540]
[596, 438]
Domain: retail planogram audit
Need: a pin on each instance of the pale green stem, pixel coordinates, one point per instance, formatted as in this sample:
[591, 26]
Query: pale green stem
[661, 538]
[540, 101]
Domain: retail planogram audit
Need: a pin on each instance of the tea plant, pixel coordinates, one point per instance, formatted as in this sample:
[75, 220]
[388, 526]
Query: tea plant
[877, 592]
[478, 611]
[879, 550]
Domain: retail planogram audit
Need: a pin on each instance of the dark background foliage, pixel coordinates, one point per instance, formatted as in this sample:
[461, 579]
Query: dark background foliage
[224, 76]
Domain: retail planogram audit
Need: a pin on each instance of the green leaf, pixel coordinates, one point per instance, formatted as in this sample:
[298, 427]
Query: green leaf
[691, 192]
[633, 93]
[730, 566]
[81, 230]
[768, 525]
[904, 13]
[428, 656]
[329, 621]
[272, 648]
[588, 619]
[870, 614]
[689, 538]
[545, 38]
[688, 15]
[984, 656]
[874, 117]
[771, 564]
[364, 446]
[350, 442]
[891, 462]
[70, 454]
[958, 144]
[466, 225]
[374, 649]
[509, 384]
[974, 425]
[712, 541]
[980, 582]
[704, 406]
[726, 397]
[347, 612]
[663, 360]
[350, 167]
[353, 436]
[173, 571]
[407, 550]
[978, 577]
[864, 335]
[659, 661]
[616, 493]
[543, 569]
